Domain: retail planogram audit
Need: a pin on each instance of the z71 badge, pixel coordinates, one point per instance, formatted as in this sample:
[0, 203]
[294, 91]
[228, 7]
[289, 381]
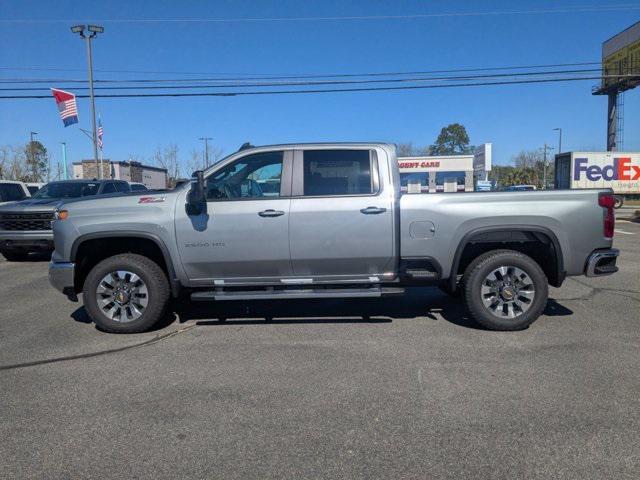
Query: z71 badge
[151, 199]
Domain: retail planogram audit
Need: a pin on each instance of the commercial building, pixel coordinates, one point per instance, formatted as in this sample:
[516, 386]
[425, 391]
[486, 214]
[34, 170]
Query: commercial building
[445, 173]
[152, 177]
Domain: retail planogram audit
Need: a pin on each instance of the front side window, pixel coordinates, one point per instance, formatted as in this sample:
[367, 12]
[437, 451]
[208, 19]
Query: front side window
[252, 177]
[11, 192]
[337, 172]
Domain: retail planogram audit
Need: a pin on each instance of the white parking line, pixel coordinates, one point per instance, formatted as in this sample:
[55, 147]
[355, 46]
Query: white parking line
[622, 231]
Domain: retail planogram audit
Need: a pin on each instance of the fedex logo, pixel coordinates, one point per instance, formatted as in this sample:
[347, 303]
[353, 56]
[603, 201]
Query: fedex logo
[620, 170]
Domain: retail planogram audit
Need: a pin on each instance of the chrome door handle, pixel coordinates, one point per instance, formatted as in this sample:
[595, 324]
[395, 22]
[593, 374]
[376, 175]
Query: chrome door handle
[373, 210]
[271, 213]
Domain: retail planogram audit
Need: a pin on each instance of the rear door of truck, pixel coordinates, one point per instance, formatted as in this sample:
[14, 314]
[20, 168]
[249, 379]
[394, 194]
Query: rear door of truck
[341, 223]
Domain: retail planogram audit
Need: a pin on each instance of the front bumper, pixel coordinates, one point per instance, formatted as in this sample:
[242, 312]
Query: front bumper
[20, 240]
[61, 276]
[602, 262]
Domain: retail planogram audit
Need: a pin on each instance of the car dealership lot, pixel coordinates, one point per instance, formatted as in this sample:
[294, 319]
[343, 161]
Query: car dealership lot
[397, 388]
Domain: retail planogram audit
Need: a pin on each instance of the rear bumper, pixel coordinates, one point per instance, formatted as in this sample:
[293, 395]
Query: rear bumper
[602, 262]
[61, 277]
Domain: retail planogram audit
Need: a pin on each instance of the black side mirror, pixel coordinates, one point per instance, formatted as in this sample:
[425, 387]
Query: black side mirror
[197, 199]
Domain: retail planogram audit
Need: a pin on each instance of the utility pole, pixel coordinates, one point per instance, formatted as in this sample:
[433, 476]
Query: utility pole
[32, 154]
[93, 31]
[206, 150]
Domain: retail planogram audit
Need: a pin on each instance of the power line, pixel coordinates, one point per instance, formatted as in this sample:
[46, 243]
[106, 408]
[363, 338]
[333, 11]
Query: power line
[253, 76]
[322, 82]
[291, 92]
[294, 77]
[567, 9]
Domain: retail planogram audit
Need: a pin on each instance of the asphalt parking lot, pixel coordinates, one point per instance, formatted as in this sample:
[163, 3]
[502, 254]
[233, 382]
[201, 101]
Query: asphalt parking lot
[395, 388]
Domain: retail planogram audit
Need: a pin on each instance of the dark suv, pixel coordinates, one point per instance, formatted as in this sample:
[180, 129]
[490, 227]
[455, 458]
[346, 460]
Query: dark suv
[26, 226]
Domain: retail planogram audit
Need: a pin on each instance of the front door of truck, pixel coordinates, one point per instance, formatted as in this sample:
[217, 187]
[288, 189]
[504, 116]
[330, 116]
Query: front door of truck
[244, 235]
[341, 224]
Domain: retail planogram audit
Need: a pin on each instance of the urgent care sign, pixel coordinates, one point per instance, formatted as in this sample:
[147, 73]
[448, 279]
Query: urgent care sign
[440, 163]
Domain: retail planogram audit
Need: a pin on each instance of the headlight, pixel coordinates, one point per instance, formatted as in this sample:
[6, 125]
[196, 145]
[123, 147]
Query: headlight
[61, 214]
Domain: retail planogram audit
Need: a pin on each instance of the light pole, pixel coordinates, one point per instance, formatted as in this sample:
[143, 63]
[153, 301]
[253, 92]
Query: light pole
[559, 130]
[34, 170]
[206, 150]
[544, 166]
[64, 159]
[93, 31]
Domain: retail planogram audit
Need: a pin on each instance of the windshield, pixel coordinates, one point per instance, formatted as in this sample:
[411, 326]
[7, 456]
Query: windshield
[68, 190]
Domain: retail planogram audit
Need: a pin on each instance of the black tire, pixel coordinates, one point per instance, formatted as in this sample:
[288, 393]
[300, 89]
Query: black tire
[476, 275]
[156, 284]
[15, 256]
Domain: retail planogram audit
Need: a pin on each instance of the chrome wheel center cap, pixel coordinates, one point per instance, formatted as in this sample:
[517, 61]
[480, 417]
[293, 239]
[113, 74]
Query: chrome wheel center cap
[121, 297]
[508, 293]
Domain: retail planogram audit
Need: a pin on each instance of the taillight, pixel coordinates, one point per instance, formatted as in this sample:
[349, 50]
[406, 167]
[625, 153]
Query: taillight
[607, 201]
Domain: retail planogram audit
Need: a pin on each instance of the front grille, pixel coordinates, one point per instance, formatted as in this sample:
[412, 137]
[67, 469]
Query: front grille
[26, 221]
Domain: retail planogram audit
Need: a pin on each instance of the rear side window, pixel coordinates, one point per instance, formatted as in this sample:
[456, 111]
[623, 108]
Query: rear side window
[11, 192]
[337, 172]
[122, 187]
[109, 188]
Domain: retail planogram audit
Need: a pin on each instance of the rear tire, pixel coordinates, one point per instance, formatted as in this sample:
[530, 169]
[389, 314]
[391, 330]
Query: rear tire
[126, 293]
[15, 256]
[505, 290]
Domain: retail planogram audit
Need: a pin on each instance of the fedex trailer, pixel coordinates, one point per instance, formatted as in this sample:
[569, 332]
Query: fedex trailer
[619, 171]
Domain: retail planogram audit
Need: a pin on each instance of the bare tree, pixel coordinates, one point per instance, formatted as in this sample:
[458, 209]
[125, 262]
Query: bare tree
[195, 162]
[167, 158]
[14, 164]
[527, 158]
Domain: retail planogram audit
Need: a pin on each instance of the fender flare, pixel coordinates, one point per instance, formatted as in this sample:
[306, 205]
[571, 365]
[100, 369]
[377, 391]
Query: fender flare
[560, 273]
[173, 280]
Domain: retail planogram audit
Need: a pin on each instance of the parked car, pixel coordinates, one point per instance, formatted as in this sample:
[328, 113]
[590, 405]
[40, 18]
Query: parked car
[138, 187]
[12, 191]
[520, 188]
[33, 187]
[335, 227]
[25, 226]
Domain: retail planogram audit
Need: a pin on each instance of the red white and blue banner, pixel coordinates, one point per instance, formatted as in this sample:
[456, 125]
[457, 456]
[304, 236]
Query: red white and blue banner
[66, 106]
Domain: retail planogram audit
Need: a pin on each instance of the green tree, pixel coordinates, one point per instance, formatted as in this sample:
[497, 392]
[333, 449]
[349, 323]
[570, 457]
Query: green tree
[37, 161]
[453, 139]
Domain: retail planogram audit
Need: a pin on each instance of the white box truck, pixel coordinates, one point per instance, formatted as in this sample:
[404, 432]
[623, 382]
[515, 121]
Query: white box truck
[619, 171]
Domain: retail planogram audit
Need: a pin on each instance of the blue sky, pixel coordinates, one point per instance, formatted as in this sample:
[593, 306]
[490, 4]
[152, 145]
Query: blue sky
[513, 118]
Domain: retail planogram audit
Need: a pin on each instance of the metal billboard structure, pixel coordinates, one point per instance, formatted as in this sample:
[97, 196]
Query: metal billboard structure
[620, 72]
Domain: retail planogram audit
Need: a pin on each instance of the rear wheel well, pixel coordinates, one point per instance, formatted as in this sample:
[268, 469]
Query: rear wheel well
[92, 251]
[537, 245]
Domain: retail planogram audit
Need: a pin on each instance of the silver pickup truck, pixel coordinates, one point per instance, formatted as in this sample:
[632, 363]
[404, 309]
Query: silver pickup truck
[325, 221]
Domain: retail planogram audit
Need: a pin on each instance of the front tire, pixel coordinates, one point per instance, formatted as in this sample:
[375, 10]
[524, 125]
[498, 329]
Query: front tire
[126, 293]
[505, 290]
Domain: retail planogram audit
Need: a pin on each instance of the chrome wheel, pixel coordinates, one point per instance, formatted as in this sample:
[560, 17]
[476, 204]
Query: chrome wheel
[507, 292]
[122, 296]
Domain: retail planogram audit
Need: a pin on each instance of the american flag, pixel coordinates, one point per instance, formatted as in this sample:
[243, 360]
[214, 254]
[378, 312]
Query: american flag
[66, 105]
[100, 133]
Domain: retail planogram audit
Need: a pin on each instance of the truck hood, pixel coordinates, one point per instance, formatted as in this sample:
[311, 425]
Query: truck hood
[31, 205]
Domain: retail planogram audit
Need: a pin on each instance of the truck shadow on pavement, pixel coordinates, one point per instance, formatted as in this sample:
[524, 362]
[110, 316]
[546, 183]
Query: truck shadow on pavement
[418, 303]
